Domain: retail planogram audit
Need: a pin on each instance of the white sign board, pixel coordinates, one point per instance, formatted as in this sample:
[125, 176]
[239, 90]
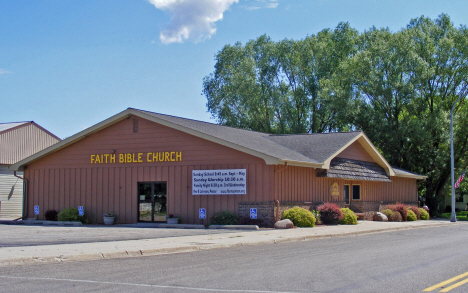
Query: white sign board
[36, 210]
[202, 213]
[229, 181]
[253, 213]
[80, 211]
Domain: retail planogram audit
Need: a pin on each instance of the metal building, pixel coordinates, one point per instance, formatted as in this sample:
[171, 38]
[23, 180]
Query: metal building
[18, 140]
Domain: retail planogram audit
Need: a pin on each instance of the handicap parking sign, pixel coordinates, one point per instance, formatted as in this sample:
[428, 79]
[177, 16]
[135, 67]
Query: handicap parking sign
[202, 213]
[253, 213]
[36, 210]
[81, 211]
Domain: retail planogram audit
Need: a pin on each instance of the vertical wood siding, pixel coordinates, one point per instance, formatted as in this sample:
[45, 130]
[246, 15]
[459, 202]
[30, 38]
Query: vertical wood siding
[23, 142]
[68, 179]
[301, 184]
[355, 152]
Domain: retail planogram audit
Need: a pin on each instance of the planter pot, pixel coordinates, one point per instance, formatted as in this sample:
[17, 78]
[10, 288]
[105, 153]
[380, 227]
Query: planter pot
[109, 220]
[172, 220]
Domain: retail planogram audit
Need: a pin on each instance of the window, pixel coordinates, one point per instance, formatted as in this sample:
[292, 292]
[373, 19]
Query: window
[356, 192]
[346, 194]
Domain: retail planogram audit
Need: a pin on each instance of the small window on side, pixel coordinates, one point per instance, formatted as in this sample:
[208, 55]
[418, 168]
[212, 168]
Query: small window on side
[356, 192]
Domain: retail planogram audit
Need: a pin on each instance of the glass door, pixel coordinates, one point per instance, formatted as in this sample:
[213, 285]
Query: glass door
[346, 194]
[152, 202]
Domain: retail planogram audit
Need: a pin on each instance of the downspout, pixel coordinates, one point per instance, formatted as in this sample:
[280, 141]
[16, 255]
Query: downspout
[25, 190]
[277, 201]
[277, 210]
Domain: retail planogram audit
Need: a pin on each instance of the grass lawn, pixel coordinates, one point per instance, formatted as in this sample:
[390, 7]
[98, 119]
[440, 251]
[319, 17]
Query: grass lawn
[461, 216]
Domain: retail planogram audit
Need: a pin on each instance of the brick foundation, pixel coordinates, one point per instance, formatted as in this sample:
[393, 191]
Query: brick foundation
[266, 210]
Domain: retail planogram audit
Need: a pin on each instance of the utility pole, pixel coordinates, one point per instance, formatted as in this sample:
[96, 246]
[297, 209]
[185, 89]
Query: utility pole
[452, 164]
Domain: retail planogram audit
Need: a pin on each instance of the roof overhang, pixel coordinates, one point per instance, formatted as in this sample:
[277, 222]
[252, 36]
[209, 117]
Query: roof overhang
[370, 149]
[19, 166]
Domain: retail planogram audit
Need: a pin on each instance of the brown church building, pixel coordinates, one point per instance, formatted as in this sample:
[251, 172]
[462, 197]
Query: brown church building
[144, 166]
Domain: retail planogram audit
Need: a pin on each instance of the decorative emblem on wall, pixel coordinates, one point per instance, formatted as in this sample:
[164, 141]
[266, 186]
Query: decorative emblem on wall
[335, 191]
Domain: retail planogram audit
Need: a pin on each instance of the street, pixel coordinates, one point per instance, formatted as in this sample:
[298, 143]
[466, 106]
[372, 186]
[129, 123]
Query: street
[401, 261]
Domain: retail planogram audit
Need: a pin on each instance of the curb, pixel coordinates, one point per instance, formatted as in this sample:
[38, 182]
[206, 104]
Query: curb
[42, 223]
[235, 227]
[192, 247]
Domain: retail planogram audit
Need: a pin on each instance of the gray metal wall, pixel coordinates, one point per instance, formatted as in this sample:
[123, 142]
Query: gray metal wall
[11, 193]
[23, 142]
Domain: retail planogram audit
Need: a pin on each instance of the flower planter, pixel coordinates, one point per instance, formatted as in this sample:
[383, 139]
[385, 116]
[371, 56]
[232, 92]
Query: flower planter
[109, 220]
[172, 220]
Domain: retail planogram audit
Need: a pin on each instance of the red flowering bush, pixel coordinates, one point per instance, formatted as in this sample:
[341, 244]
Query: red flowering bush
[330, 213]
[400, 208]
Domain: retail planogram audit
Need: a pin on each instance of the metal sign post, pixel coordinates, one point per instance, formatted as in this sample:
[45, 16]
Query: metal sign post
[202, 214]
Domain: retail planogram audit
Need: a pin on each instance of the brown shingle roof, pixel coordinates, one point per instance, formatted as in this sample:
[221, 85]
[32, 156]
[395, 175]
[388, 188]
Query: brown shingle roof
[354, 169]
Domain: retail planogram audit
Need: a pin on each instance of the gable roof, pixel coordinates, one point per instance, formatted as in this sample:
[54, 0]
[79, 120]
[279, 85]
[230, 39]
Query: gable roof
[19, 140]
[10, 125]
[308, 150]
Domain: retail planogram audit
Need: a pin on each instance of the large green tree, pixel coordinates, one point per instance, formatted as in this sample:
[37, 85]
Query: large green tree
[406, 83]
[398, 87]
[278, 87]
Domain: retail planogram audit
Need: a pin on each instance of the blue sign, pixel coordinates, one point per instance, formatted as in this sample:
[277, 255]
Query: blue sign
[202, 213]
[81, 211]
[36, 210]
[253, 213]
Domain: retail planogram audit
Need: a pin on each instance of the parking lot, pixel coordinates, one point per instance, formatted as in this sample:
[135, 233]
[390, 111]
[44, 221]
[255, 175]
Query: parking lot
[22, 235]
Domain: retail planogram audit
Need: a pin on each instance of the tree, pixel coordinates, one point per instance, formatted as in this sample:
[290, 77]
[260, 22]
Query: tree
[281, 87]
[406, 83]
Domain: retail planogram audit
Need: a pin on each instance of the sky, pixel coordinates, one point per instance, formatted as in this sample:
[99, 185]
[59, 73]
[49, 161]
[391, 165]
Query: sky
[69, 64]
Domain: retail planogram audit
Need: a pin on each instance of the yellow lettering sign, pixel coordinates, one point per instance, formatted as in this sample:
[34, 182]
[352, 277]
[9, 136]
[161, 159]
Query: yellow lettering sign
[136, 157]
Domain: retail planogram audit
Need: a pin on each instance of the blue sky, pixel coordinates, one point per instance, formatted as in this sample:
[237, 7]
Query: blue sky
[69, 64]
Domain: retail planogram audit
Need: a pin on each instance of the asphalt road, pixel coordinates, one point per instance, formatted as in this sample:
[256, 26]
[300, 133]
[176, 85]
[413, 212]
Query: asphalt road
[19, 235]
[401, 261]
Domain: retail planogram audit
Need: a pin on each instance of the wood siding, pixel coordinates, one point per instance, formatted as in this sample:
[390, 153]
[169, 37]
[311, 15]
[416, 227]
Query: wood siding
[299, 184]
[68, 179]
[355, 152]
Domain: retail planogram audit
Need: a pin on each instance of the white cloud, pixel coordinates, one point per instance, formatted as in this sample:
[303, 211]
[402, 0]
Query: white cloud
[192, 20]
[3, 71]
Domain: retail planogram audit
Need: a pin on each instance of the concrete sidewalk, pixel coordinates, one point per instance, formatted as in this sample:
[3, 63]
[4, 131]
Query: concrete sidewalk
[145, 247]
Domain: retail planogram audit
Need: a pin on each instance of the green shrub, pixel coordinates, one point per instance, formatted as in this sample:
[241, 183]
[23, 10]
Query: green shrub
[71, 215]
[416, 211]
[300, 217]
[225, 218]
[330, 213]
[424, 214]
[392, 216]
[411, 216]
[349, 218]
